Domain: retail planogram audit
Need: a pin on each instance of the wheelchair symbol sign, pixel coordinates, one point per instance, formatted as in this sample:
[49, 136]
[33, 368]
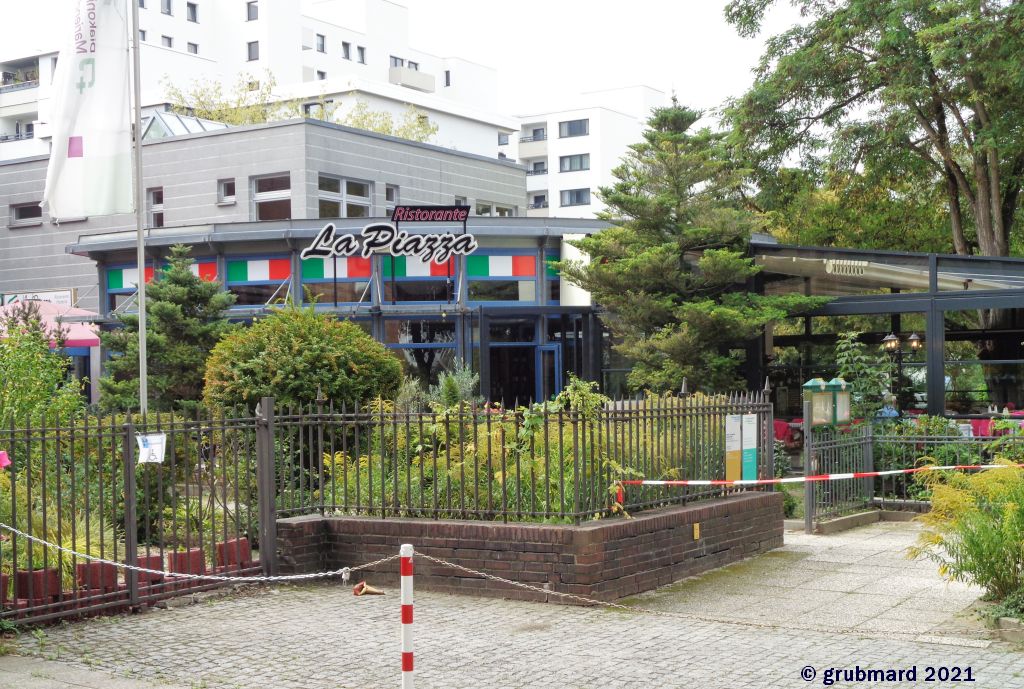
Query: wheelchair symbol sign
[151, 447]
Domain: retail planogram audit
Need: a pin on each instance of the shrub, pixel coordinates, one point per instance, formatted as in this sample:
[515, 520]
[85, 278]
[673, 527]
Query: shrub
[975, 530]
[292, 354]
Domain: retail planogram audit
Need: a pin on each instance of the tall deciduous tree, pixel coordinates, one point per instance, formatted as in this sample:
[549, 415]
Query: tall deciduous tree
[185, 319]
[672, 272]
[881, 84]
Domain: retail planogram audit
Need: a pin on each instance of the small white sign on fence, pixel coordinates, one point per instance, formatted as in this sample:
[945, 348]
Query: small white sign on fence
[151, 447]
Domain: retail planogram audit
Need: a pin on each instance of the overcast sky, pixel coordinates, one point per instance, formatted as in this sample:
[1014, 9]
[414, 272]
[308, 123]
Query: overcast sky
[543, 48]
[546, 50]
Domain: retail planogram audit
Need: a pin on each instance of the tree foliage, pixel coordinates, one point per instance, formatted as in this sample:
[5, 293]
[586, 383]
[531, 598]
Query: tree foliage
[35, 380]
[672, 271]
[251, 100]
[413, 124]
[295, 352]
[930, 91]
[185, 317]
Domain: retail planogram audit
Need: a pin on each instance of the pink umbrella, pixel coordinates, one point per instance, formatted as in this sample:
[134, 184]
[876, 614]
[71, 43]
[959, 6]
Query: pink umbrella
[54, 315]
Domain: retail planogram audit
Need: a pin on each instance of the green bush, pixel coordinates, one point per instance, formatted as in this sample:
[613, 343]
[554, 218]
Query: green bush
[975, 529]
[292, 354]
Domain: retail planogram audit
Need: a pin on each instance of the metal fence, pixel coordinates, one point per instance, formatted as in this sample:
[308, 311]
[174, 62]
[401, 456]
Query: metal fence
[481, 462]
[886, 446]
[211, 506]
[78, 486]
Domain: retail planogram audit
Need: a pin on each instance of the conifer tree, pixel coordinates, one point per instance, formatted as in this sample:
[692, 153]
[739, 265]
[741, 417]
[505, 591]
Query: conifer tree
[185, 319]
[672, 273]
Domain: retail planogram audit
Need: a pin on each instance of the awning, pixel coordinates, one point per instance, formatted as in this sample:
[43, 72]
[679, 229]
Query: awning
[69, 319]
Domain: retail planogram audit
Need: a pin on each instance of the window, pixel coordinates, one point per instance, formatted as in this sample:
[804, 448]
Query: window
[254, 50]
[397, 61]
[252, 11]
[539, 201]
[572, 163]
[166, 7]
[316, 110]
[574, 128]
[321, 43]
[142, 4]
[192, 12]
[414, 65]
[483, 208]
[539, 167]
[575, 197]
[142, 35]
[460, 201]
[193, 48]
[504, 211]
[346, 50]
[26, 214]
[271, 197]
[447, 77]
[256, 281]
[343, 198]
[391, 197]
[502, 139]
[321, 75]
[361, 54]
[226, 191]
[167, 41]
[155, 206]
[502, 277]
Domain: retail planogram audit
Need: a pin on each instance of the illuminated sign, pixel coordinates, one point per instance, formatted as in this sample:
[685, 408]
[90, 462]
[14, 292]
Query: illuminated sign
[386, 238]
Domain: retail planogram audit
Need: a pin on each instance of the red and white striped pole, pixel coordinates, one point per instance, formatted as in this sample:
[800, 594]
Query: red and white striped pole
[406, 571]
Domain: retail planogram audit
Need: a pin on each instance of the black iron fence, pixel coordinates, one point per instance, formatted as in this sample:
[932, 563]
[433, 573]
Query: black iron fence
[482, 462]
[79, 486]
[211, 505]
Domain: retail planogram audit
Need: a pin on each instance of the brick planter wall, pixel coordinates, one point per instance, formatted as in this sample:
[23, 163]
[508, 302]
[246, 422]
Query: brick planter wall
[605, 559]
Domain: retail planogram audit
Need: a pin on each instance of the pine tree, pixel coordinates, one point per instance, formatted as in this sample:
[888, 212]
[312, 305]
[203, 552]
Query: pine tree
[672, 272]
[185, 319]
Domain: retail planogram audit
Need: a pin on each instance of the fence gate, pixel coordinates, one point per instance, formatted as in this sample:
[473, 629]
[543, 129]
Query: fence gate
[832, 450]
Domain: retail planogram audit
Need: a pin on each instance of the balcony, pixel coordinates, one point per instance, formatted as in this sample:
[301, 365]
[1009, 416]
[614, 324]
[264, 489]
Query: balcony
[527, 139]
[542, 171]
[411, 78]
[19, 98]
[533, 147]
[538, 204]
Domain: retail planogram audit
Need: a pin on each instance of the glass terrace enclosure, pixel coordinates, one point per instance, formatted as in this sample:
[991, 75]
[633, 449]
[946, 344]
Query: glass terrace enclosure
[967, 313]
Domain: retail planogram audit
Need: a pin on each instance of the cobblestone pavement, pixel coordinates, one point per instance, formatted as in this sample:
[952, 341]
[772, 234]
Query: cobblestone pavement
[842, 601]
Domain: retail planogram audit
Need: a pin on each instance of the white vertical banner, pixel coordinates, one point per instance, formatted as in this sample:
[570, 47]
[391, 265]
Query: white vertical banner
[90, 171]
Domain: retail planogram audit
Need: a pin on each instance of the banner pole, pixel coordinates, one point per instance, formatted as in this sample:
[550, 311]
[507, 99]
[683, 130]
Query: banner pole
[140, 249]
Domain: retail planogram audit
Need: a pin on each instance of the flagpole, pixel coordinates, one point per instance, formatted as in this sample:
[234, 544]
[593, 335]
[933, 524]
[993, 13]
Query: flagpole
[140, 248]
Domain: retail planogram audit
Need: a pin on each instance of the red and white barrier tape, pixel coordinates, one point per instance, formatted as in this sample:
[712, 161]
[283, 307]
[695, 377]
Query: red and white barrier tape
[405, 559]
[806, 479]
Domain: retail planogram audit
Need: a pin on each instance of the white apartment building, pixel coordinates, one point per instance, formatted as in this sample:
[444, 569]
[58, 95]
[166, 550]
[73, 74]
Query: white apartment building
[344, 50]
[570, 153]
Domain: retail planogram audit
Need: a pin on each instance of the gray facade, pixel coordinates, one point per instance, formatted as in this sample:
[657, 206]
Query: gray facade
[33, 254]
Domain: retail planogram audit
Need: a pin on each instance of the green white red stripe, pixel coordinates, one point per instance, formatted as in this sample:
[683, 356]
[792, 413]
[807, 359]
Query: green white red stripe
[335, 268]
[412, 266]
[126, 278]
[259, 270]
[501, 266]
[814, 478]
[204, 270]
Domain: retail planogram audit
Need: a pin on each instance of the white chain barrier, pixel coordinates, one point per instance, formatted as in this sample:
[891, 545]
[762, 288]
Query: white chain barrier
[343, 572]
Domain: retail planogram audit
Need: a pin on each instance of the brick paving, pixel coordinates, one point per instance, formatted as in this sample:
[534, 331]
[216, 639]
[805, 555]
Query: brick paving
[825, 601]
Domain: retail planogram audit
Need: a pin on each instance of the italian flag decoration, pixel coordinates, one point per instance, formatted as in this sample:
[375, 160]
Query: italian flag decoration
[126, 278]
[501, 266]
[335, 268]
[259, 270]
[412, 266]
[204, 270]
